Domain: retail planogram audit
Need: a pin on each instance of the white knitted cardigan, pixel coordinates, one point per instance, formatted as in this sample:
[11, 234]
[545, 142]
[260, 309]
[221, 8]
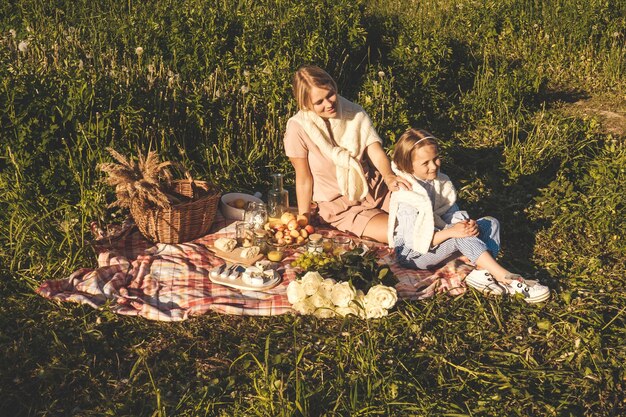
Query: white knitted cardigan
[427, 217]
[352, 130]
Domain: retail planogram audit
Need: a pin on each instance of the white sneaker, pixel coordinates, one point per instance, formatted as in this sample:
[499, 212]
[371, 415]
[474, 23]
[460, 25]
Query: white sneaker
[482, 281]
[532, 291]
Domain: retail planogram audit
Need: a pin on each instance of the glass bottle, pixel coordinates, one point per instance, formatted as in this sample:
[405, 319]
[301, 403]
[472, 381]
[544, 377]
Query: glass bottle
[277, 197]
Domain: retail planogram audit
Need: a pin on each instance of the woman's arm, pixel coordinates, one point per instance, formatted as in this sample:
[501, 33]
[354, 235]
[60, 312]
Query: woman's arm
[381, 162]
[304, 184]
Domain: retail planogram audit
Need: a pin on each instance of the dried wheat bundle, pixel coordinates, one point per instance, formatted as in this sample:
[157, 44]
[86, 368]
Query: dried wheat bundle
[146, 181]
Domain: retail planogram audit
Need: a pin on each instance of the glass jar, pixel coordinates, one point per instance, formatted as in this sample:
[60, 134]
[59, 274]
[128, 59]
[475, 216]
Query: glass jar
[255, 215]
[260, 240]
[315, 245]
[327, 245]
[277, 197]
[342, 244]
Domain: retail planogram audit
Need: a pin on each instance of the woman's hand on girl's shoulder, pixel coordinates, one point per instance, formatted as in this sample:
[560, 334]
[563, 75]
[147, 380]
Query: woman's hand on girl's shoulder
[395, 183]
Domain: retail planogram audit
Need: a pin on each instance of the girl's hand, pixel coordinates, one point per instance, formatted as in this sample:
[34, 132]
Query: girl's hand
[395, 183]
[465, 228]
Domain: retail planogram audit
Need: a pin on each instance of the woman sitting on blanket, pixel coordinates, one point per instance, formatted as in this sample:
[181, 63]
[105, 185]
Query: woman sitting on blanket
[427, 228]
[338, 158]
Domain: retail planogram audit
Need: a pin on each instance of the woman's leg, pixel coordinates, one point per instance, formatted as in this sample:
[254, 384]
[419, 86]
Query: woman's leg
[376, 228]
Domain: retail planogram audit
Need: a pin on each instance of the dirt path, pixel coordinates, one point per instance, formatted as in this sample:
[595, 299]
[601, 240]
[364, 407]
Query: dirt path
[610, 112]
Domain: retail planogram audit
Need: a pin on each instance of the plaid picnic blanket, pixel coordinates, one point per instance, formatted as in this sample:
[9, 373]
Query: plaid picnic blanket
[171, 282]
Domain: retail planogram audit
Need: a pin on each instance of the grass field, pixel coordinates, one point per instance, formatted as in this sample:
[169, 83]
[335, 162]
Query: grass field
[528, 97]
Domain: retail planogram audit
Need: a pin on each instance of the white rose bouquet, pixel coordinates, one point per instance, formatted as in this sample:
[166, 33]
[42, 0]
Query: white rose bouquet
[352, 283]
[312, 294]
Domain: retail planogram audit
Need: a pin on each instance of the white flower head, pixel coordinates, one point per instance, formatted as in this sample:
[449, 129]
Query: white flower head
[320, 301]
[22, 46]
[304, 307]
[311, 282]
[139, 50]
[346, 311]
[244, 89]
[295, 292]
[324, 313]
[343, 293]
[381, 74]
[326, 287]
[373, 311]
[13, 33]
[382, 295]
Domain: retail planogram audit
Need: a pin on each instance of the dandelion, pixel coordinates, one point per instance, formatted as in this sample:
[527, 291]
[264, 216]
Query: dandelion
[244, 89]
[381, 74]
[23, 46]
[13, 33]
[615, 34]
[139, 50]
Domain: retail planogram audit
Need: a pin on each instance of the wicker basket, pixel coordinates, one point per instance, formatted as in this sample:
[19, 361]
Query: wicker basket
[184, 221]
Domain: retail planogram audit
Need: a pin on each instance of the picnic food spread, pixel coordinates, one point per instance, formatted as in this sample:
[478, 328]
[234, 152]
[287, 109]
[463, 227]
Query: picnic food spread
[181, 263]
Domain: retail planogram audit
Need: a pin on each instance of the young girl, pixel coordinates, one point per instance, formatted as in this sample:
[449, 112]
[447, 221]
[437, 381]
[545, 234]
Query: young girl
[427, 228]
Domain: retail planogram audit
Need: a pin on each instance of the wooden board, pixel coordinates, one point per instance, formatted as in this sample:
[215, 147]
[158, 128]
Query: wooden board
[239, 284]
[234, 256]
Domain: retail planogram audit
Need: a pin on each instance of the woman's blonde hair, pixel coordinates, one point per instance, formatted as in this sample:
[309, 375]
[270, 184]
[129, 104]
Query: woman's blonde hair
[411, 140]
[308, 76]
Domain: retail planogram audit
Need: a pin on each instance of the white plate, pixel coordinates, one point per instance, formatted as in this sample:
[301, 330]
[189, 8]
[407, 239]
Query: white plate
[239, 284]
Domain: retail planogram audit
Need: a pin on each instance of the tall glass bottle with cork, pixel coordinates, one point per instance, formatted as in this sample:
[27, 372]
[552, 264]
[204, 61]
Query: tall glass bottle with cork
[277, 197]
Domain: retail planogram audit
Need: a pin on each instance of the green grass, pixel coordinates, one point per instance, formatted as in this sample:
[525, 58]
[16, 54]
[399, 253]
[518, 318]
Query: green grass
[497, 81]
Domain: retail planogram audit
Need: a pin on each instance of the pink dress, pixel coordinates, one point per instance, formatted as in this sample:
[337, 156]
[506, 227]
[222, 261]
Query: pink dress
[335, 209]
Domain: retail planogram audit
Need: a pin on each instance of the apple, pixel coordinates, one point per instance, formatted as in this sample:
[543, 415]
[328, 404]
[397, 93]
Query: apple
[294, 233]
[292, 225]
[287, 217]
[310, 229]
[302, 220]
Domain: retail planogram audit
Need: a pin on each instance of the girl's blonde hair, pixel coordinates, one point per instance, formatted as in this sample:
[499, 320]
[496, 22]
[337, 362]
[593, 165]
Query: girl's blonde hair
[411, 140]
[308, 76]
